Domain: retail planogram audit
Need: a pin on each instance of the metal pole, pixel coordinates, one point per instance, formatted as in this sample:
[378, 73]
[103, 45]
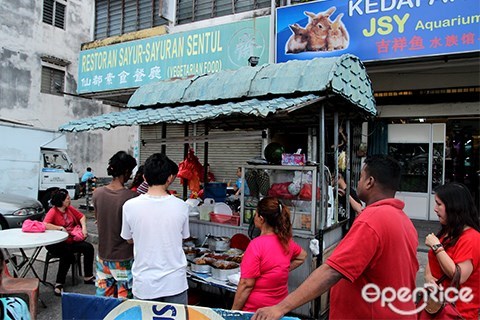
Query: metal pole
[205, 159]
[321, 150]
[186, 147]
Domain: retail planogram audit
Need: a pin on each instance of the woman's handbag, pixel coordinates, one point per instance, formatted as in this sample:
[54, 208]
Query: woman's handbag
[76, 234]
[33, 226]
[442, 309]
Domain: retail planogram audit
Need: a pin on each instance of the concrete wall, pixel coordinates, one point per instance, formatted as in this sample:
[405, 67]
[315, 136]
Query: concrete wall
[24, 39]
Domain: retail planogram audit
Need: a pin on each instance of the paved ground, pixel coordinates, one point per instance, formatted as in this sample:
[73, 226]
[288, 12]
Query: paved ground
[53, 309]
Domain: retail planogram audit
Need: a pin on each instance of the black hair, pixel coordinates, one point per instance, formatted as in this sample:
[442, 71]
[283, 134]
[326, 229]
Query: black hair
[277, 216]
[385, 170]
[58, 196]
[120, 164]
[460, 209]
[158, 167]
[89, 169]
[138, 179]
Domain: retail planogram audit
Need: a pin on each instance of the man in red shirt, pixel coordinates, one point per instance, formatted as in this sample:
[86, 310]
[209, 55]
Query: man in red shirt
[374, 260]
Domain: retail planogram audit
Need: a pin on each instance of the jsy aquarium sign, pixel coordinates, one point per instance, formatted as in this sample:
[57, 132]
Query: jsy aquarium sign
[377, 29]
[207, 50]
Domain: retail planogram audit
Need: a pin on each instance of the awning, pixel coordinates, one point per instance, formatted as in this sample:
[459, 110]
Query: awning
[186, 113]
[247, 94]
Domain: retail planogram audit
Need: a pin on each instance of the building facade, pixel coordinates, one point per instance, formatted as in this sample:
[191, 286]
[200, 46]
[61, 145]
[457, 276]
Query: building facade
[40, 41]
[422, 59]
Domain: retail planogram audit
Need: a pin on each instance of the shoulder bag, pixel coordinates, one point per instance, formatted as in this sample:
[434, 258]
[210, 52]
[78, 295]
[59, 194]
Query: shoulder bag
[442, 309]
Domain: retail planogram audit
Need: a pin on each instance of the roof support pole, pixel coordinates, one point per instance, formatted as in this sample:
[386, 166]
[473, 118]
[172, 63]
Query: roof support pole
[322, 203]
[335, 155]
[348, 173]
[205, 158]
[321, 153]
[186, 147]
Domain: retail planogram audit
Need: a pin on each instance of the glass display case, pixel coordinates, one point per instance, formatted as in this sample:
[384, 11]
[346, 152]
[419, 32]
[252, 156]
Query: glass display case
[292, 184]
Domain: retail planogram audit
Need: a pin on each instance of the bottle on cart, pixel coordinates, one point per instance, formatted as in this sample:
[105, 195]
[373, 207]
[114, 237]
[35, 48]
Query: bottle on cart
[206, 208]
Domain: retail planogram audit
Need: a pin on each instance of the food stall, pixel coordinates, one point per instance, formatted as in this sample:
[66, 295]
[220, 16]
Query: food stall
[317, 98]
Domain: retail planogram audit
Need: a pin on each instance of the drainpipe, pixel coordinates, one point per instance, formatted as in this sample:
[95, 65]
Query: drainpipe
[273, 18]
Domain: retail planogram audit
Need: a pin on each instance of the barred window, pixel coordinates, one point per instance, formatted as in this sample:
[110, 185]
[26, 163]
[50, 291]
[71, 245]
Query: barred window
[116, 17]
[53, 81]
[196, 10]
[54, 12]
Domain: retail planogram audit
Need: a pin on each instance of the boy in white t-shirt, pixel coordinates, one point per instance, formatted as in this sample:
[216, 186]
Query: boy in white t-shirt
[156, 223]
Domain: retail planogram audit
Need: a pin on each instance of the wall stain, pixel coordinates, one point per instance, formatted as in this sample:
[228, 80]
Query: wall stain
[15, 82]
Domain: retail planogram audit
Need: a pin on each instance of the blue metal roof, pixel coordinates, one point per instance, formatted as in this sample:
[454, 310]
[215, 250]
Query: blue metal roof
[256, 91]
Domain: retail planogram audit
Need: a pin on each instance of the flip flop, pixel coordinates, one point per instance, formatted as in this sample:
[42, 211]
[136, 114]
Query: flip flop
[90, 280]
[58, 289]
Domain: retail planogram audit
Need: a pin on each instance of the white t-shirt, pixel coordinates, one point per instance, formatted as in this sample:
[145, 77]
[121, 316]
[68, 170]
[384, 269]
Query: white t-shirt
[157, 226]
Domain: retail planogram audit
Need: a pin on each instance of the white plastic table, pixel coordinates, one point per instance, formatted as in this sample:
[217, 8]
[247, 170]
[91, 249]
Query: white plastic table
[17, 239]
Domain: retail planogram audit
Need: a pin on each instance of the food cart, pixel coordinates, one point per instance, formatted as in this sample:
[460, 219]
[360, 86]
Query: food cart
[314, 97]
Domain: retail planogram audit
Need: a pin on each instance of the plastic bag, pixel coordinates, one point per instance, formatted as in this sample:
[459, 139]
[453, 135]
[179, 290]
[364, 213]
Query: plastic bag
[306, 192]
[280, 190]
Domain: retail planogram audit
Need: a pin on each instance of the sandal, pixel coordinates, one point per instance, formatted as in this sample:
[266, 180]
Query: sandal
[58, 289]
[90, 280]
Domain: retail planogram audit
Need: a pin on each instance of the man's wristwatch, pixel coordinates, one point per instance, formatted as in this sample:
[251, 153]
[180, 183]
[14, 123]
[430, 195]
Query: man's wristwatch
[437, 246]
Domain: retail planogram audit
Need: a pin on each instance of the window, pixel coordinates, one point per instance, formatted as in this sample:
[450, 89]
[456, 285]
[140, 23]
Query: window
[116, 17]
[53, 80]
[196, 10]
[54, 12]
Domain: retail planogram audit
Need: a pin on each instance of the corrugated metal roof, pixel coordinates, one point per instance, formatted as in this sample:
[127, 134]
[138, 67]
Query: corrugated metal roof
[250, 91]
[345, 76]
[186, 113]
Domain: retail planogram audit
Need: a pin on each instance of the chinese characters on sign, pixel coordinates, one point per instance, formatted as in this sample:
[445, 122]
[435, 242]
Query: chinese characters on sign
[377, 30]
[208, 50]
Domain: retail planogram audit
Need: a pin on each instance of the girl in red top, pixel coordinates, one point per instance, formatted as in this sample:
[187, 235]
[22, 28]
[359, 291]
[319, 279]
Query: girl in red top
[458, 242]
[64, 217]
[268, 259]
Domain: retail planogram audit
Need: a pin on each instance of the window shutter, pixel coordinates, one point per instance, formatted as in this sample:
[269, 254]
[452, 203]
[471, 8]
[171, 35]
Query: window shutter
[184, 11]
[101, 18]
[244, 5]
[224, 8]
[115, 18]
[60, 15]
[204, 9]
[52, 81]
[130, 17]
[48, 11]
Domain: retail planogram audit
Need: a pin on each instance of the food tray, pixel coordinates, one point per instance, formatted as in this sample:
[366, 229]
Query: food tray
[200, 268]
[222, 274]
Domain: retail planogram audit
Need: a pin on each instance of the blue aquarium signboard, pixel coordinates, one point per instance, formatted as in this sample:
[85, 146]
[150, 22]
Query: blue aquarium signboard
[180, 55]
[377, 29]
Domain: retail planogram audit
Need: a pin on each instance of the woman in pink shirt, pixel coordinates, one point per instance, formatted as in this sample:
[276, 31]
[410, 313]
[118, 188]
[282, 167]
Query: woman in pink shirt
[268, 259]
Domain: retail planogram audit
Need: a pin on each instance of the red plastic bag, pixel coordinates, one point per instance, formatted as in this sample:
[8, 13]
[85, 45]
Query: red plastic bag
[306, 192]
[280, 190]
[191, 170]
